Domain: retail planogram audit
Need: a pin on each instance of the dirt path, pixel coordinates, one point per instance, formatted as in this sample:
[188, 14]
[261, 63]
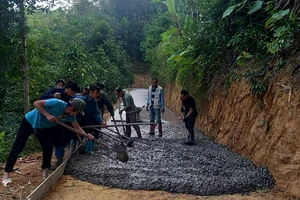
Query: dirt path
[69, 188]
[29, 172]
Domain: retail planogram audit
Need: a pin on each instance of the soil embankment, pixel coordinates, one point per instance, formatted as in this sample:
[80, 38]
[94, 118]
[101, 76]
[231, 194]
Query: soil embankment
[265, 130]
[141, 81]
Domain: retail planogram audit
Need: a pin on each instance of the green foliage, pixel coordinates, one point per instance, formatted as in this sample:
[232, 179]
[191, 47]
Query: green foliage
[255, 7]
[219, 36]
[285, 26]
[243, 58]
[232, 8]
[255, 80]
[78, 43]
[81, 47]
[184, 41]
[171, 6]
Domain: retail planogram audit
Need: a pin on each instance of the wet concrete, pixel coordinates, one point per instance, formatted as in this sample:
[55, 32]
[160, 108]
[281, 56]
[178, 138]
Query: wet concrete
[167, 164]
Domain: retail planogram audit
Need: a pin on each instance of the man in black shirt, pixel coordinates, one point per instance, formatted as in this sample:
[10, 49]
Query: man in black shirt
[190, 112]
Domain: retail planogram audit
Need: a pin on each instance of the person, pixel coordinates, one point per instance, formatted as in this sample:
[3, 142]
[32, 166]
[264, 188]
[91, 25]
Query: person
[60, 83]
[156, 102]
[84, 92]
[190, 113]
[104, 101]
[38, 121]
[130, 109]
[92, 114]
[65, 94]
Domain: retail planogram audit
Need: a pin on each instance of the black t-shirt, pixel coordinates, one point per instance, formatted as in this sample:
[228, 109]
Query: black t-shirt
[189, 103]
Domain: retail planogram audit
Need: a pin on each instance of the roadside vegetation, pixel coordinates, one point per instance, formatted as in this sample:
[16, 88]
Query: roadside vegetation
[188, 42]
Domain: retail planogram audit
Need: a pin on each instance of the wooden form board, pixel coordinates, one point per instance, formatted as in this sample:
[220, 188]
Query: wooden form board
[49, 182]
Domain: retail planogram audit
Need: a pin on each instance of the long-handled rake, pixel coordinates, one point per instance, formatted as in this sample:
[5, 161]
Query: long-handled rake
[120, 151]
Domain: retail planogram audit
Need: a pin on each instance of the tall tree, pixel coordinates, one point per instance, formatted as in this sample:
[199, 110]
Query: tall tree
[24, 61]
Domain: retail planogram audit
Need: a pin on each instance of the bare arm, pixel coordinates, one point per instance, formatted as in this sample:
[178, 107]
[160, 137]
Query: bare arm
[40, 106]
[190, 112]
[77, 127]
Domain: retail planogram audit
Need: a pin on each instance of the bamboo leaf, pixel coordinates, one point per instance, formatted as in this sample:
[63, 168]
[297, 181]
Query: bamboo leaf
[229, 11]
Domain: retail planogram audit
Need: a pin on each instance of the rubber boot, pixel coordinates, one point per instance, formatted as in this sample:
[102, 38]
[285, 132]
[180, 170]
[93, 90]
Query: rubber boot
[95, 146]
[89, 147]
[151, 132]
[59, 161]
[160, 130]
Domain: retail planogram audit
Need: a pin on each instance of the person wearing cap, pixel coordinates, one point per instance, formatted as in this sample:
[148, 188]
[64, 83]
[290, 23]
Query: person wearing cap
[130, 109]
[38, 121]
[92, 114]
[66, 94]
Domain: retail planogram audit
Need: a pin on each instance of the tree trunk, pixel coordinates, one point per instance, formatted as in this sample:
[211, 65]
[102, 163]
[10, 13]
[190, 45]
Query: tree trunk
[24, 57]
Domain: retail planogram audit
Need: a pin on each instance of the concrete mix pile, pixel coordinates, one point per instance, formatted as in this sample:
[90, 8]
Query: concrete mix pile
[206, 168]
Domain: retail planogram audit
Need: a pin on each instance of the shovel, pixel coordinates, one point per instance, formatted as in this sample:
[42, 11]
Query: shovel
[129, 144]
[128, 138]
[120, 151]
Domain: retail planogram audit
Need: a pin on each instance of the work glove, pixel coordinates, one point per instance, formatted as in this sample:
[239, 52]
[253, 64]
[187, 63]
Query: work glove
[112, 114]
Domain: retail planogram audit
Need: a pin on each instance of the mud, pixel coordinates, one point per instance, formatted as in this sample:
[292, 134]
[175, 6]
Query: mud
[166, 164]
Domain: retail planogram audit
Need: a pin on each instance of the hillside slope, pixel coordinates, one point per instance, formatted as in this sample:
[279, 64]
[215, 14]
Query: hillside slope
[263, 130]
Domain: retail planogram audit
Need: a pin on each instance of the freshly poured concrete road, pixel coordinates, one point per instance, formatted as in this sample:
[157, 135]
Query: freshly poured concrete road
[166, 164]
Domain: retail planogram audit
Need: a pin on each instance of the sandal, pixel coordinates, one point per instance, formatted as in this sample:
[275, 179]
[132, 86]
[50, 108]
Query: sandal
[6, 182]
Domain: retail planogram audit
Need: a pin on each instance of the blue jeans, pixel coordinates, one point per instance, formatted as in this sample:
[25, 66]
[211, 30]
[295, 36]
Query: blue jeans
[155, 114]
